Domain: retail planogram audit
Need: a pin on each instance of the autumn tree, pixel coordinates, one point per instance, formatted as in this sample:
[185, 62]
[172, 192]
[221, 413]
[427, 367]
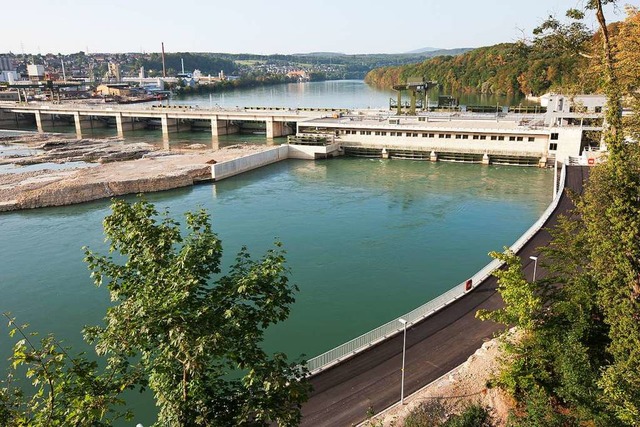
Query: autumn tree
[579, 361]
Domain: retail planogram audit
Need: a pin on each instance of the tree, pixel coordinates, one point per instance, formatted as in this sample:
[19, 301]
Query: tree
[521, 302]
[198, 342]
[581, 358]
[63, 390]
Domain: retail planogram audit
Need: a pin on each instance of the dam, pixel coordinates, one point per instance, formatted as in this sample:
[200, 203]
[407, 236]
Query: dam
[511, 137]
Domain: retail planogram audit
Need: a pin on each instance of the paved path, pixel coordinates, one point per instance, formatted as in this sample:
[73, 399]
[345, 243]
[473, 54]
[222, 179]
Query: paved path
[344, 393]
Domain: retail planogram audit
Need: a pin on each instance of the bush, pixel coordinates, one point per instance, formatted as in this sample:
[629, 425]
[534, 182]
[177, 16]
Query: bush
[473, 415]
[437, 413]
[428, 414]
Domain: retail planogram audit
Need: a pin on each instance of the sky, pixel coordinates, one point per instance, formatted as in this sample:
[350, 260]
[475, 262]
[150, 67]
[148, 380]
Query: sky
[273, 26]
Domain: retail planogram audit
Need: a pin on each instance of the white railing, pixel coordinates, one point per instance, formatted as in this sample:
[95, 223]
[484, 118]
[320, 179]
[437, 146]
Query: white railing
[394, 327]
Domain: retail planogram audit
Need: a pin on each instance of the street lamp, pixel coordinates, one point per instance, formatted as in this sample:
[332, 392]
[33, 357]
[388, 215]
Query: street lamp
[404, 350]
[535, 266]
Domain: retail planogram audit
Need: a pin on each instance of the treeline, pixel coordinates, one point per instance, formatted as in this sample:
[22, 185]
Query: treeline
[507, 68]
[242, 82]
[207, 63]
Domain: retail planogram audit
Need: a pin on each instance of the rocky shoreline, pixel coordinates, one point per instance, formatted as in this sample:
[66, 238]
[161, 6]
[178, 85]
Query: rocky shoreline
[116, 169]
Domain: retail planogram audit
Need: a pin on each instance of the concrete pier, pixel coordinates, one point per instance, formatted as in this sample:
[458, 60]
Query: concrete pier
[274, 129]
[76, 120]
[119, 128]
[39, 121]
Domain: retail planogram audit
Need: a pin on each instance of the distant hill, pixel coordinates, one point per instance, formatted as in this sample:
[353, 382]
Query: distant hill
[323, 54]
[440, 52]
[424, 50]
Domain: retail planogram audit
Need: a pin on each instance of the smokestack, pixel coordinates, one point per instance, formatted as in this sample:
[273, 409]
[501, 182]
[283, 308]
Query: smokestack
[182, 60]
[164, 70]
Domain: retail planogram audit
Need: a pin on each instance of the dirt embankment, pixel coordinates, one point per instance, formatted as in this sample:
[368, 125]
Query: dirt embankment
[465, 384]
[116, 169]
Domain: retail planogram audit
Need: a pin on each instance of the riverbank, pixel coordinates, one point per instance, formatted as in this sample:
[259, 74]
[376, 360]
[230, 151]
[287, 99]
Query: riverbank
[101, 169]
[464, 385]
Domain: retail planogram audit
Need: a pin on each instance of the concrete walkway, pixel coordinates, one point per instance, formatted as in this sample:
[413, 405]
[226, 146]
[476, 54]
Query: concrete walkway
[370, 381]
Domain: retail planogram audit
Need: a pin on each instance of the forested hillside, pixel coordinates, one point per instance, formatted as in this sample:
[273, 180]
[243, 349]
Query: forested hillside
[506, 68]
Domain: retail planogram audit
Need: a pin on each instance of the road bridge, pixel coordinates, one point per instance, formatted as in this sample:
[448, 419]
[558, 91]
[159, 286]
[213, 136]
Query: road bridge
[344, 393]
[222, 121]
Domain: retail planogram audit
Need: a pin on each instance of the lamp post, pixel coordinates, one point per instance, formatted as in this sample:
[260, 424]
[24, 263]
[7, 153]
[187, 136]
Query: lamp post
[404, 350]
[535, 266]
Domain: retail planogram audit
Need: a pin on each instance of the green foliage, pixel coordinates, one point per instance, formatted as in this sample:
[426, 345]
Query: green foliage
[61, 390]
[473, 415]
[539, 411]
[521, 302]
[611, 208]
[198, 342]
[553, 362]
[556, 36]
[430, 413]
[439, 413]
[205, 62]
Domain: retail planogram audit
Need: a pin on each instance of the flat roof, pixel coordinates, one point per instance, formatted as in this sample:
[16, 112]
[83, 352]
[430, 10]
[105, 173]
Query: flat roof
[460, 124]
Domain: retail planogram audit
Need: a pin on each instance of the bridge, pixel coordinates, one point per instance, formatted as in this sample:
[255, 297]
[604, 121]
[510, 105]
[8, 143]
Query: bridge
[221, 121]
[346, 387]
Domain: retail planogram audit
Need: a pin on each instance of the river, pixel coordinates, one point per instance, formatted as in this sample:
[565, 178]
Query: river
[327, 94]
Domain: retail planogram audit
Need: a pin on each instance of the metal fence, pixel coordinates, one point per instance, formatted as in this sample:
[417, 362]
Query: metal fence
[393, 327]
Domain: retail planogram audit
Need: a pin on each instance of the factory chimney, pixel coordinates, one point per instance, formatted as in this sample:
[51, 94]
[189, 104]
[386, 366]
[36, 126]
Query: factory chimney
[164, 70]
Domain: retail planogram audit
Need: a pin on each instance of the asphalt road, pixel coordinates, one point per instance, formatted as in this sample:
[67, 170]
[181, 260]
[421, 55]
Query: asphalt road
[342, 395]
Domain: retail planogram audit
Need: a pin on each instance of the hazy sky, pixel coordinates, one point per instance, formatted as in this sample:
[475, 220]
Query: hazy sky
[273, 26]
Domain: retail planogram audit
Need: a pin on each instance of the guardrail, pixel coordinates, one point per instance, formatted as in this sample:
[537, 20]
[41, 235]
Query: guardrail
[389, 329]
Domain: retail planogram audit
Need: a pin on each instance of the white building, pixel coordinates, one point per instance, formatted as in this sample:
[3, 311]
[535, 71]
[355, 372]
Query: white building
[35, 71]
[525, 139]
[7, 70]
[559, 103]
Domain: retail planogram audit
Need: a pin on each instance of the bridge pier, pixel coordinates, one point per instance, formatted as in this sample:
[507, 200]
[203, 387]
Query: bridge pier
[165, 128]
[119, 128]
[433, 156]
[39, 121]
[485, 159]
[275, 129]
[214, 128]
[222, 127]
[76, 120]
[542, 163]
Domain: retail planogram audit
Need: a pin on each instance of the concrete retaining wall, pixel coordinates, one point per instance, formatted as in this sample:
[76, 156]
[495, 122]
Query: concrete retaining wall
[312, 152]
[234, 167]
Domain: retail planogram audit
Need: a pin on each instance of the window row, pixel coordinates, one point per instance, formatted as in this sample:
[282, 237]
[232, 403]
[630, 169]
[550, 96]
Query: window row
[441, 135]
